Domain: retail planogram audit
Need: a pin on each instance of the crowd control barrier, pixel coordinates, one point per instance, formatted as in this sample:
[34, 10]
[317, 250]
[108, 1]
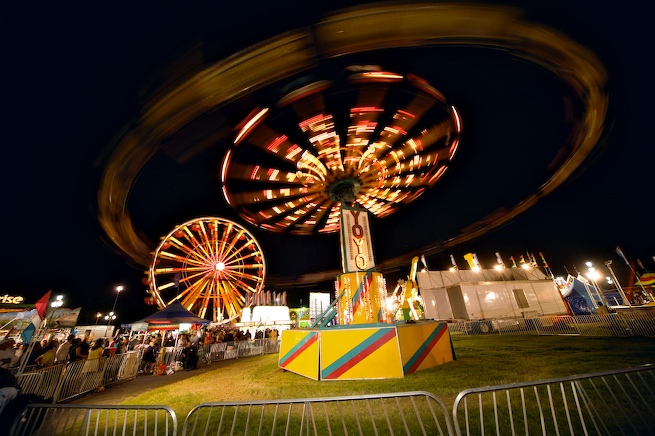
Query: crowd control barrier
[59, 419]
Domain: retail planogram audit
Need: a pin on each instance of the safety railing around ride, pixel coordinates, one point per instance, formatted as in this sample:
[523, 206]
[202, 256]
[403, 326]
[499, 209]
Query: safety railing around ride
[398, 413]
[622, 324]
[620, 402]
[604, 403]
[225, 350]
[58, 419]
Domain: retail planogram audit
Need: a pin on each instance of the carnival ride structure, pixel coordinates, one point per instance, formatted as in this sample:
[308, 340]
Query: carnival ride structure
[183, 116]
[392, 152]
[209, 265]
[301, 164]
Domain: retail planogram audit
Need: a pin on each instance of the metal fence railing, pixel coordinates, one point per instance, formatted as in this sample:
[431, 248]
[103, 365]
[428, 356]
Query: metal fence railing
[62, 382]
[225, 350]
[409, 413]
[619, 402]
[622, 324]
[84, 420]
[606, 403]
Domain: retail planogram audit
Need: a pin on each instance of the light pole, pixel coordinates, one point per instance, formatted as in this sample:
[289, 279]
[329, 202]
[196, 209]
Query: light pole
[593, 275]
[118, 291]
[109, 318]
[618, 285]
[112, 314]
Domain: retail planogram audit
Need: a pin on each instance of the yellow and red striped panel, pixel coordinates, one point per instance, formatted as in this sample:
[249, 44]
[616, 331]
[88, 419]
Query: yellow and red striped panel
[359, 353]
[299, 352]
[424, 345]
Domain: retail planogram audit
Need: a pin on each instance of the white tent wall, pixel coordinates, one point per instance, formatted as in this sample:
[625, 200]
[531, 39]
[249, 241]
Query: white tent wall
[454, 295]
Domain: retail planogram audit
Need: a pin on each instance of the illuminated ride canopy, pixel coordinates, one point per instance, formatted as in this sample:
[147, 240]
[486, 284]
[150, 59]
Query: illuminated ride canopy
[290, 171]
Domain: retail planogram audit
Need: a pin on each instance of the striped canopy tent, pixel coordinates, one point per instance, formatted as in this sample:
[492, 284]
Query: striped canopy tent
[646, 279]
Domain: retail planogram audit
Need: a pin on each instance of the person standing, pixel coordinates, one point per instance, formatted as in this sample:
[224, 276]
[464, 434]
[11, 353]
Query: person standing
[61, 356]
[47, 358]
[92, 365]
[73, 352]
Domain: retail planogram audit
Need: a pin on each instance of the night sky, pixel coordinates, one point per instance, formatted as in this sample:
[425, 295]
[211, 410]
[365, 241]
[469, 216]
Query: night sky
[74, 78]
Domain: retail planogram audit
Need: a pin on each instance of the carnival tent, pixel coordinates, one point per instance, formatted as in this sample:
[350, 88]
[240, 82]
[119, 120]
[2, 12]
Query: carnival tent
[171, 315]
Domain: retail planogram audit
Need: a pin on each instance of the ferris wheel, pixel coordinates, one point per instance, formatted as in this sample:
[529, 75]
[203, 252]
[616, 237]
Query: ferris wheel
[208, 264]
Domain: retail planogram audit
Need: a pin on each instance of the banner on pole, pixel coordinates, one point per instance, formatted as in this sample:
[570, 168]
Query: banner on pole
[357, 247]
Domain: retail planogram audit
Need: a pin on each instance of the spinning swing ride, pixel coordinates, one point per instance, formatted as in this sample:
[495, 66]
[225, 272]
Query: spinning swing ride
[297, 159]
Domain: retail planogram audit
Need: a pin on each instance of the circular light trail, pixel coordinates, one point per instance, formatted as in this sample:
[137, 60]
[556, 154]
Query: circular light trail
[352, 32]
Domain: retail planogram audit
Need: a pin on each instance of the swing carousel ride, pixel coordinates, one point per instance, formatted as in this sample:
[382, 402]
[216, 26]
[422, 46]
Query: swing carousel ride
[276, 138]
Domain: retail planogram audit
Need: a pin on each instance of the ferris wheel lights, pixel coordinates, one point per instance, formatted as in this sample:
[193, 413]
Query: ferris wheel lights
[212, 268]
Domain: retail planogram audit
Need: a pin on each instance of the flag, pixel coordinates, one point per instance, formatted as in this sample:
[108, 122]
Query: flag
[35, 323]
[513, 262]
[452, 260]
[522, 259]
[621, 255]
[544, 260]
[469, 259]
[499, 259]
[425, 264]
[477, 262]
[641, 265]
[534, 261]
[42, 304]
[646, 279]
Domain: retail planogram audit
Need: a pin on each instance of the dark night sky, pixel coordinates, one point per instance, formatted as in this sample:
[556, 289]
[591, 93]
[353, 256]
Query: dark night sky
[73, 78]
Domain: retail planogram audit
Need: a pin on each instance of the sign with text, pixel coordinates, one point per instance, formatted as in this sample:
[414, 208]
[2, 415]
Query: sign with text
[356, 244]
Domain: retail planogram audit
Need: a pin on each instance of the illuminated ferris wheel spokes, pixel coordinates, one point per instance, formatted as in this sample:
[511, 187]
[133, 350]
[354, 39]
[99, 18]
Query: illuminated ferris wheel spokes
[207, 264]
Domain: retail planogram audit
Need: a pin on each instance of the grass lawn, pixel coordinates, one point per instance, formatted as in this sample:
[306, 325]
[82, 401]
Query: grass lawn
[481, 361]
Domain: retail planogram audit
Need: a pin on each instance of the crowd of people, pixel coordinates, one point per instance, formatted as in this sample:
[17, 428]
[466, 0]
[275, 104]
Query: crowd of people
[51, 351]
[48, 352]
[189, 343]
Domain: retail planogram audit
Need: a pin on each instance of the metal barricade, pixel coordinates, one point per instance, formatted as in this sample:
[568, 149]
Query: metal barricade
[555, 325]
[410, 413]
[217, 351]
[30, 383]
[42, 382]
[621, 324]
[639, 322]
[82, 376]
[57, 419]
[604, 403]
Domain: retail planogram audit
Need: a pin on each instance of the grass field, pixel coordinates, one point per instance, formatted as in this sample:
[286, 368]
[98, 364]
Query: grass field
[481, 361]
